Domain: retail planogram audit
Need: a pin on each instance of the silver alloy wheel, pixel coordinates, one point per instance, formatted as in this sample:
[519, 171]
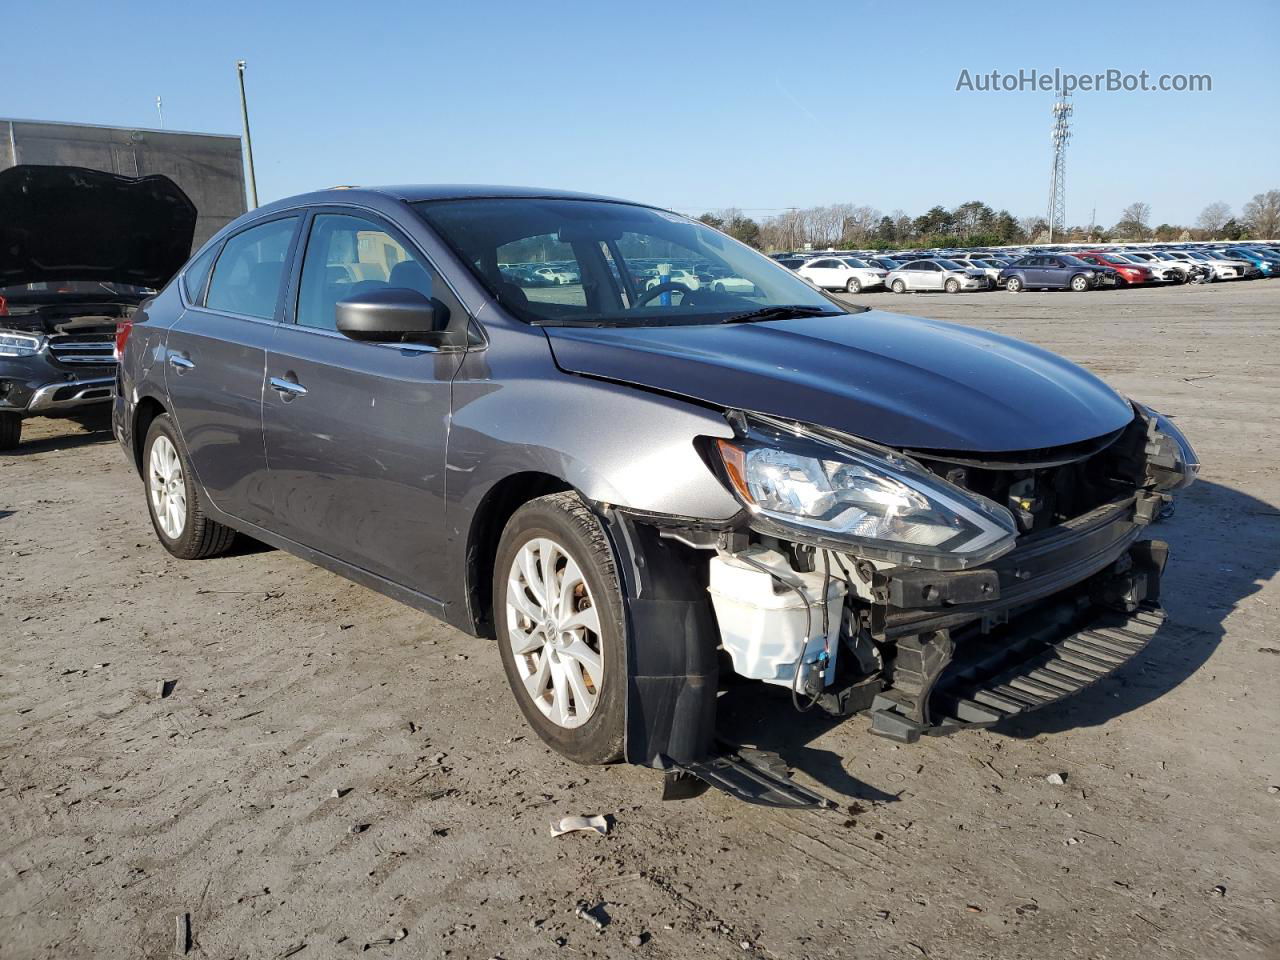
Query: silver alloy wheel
[168, 487]
[553, 626]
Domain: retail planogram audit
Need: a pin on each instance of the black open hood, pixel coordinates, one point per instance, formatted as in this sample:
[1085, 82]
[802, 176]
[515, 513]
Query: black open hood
[72, 223]
[900, 381]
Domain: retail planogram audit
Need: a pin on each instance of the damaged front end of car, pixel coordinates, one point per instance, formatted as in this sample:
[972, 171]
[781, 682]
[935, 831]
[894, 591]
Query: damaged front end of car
[930, 590]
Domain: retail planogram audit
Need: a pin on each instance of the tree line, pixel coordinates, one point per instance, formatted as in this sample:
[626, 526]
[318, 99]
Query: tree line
[975, 224]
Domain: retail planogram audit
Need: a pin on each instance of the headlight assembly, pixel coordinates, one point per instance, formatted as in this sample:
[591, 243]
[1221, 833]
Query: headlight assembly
[19, 344]
[1171, 460]
[851, 495]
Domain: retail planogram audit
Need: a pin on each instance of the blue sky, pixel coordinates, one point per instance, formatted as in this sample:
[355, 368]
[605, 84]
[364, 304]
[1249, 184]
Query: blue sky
[692, 105]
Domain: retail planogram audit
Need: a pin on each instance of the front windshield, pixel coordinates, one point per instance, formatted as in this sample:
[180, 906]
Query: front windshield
[619, 263]
[1074, 261]
[855, 262]
[951, 265]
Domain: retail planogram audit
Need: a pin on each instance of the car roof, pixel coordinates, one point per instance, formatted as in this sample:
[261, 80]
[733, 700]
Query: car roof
[412, 193]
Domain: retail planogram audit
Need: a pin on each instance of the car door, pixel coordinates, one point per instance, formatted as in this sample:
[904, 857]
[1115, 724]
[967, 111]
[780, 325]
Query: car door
[930, 275]
[355, 431]
[818, 272]
[215, 357]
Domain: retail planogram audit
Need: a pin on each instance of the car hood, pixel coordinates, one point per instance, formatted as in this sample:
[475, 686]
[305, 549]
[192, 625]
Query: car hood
[72, 223]
[900, 381]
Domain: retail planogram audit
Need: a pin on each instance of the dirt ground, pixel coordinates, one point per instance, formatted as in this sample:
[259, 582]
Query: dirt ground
[122, 809]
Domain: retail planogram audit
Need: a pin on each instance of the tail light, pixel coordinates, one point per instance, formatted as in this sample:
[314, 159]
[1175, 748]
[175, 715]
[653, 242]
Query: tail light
[123, 329]
[4, 307]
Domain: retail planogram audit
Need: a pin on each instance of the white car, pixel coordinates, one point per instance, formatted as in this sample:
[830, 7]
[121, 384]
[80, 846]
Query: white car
[556, 274]
[1224, 268]
[842, 273]
[733, 285]
[991, 268]
[680, 275]
[937, 274]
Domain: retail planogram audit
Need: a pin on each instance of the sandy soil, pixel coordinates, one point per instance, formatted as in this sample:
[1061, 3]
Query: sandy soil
[121, 809]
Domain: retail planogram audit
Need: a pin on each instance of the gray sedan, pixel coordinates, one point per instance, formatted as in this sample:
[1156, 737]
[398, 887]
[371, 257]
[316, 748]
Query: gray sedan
[632, 488]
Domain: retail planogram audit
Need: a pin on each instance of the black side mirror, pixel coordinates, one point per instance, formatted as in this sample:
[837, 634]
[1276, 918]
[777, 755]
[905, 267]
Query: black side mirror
[394, 315]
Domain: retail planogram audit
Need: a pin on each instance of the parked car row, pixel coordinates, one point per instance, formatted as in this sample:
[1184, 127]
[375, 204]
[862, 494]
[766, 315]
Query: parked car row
[1079, 269]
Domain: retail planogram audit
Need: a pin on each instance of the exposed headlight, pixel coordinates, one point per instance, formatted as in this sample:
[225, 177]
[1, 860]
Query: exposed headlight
[854, 495]
[1170, 456]
[19, 344]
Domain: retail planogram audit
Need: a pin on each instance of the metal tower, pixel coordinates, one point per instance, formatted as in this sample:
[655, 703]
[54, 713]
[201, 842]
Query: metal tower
[1060, 133]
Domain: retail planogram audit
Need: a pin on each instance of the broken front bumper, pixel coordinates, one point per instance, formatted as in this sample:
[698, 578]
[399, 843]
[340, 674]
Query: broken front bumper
[1039, 624]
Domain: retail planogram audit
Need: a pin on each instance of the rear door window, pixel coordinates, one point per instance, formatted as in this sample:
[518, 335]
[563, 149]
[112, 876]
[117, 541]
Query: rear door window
[249, 273]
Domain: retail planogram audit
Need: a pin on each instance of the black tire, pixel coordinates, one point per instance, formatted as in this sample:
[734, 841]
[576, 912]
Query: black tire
[952, 286]
[853, 286]
[565, 519]
[1013, 285]
[899, 287]
[1079, 283]
[10, 430]
[201, 537]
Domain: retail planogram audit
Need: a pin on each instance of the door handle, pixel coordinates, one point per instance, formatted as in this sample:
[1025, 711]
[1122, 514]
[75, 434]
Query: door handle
[180, 363]
[288, 389]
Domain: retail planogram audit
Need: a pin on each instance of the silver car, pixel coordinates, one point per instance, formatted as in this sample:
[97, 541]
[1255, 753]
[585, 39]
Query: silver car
[937, 274]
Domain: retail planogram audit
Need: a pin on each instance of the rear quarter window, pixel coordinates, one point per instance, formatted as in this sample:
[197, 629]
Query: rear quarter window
[196, 277]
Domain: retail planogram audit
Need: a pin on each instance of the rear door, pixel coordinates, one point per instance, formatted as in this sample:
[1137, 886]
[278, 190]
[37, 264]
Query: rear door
[355, 432]
[215, 358]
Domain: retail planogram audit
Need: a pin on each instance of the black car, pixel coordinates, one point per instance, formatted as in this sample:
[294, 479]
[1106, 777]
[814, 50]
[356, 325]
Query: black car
[79, 251]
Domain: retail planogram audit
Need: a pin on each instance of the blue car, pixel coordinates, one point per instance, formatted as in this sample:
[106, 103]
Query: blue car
[1269, 266]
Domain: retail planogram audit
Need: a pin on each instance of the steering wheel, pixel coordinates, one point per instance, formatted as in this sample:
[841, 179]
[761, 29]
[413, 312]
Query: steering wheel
[665, 287]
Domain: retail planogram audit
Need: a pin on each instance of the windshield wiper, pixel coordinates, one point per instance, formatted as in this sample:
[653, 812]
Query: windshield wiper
[782, 312]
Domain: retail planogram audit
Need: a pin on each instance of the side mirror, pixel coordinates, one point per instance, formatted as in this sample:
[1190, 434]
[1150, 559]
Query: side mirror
[393, 315]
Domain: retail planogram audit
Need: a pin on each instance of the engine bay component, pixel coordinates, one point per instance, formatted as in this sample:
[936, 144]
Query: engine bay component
[772, 620]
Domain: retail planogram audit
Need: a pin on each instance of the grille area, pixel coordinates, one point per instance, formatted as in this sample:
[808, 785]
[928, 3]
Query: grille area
[83, 349]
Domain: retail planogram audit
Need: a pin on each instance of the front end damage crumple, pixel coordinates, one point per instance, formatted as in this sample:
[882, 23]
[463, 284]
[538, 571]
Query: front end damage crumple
[920, 650]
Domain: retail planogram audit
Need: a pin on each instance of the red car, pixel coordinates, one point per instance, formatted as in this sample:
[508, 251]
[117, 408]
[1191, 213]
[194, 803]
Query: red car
[1129, 272]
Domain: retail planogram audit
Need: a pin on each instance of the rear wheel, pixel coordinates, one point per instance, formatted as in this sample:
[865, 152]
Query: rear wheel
[853, 286]
[1079, 283]
[10, 430]
[558, 611]
[953, 285]
[1013, 285]
[899, 287]
[175, 509]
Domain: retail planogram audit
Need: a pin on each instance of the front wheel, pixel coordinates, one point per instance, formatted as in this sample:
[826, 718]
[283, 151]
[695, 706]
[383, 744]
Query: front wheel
[953, 286]
[10, 430]
[1013, 285]
[853, 286]
[899, 287]
[172, 500]
[558, 615]
[1079, 283]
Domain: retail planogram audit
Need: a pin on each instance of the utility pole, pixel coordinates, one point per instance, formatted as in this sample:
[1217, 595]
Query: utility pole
[1060, 134]
[248, 141]
[1093, 220]
[160, 110]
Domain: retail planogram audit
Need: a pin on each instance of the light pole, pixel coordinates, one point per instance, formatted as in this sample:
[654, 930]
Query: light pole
[160, 110]
[248, 141]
